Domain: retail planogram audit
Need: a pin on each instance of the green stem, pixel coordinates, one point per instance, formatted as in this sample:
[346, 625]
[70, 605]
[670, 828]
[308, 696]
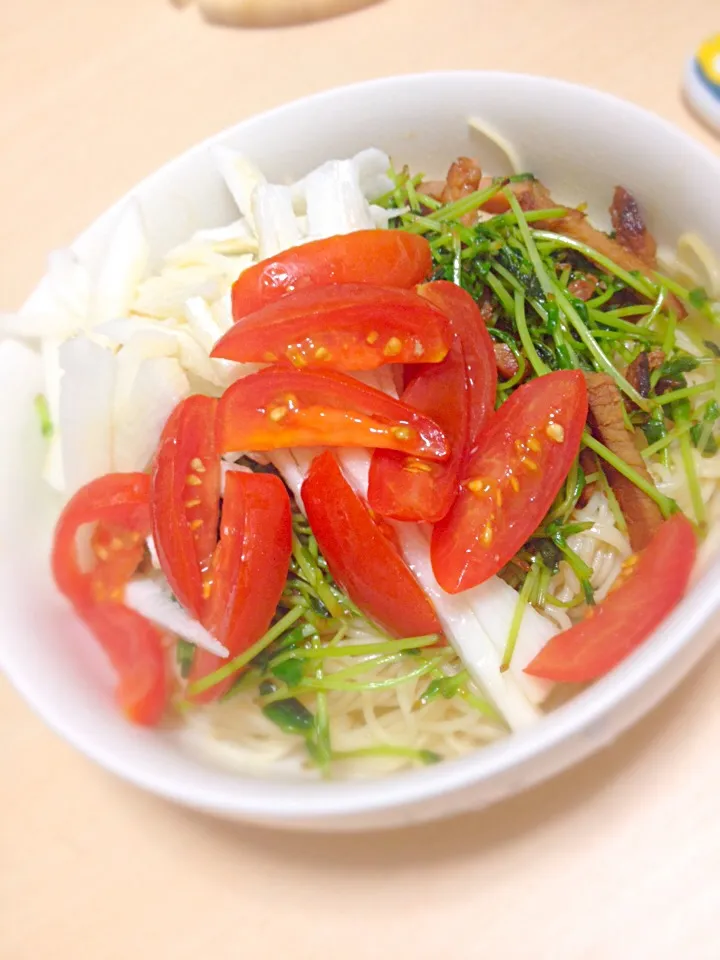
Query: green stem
[551, 289]
[328, 683]
[536, 363]
[699, 388]
[360, 649]
[667, 506]
[686, 455]
[518, 613]
[232, 666]
[500, 292]
[642, 286]
[665, 441]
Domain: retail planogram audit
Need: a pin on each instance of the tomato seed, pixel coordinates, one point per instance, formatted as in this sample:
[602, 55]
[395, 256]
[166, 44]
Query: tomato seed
[392, 347]
[555, 432]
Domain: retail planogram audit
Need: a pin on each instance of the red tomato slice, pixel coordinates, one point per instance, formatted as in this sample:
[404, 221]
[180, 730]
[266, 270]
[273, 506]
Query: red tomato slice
[185, 499]
[360, 557]
[249, 568]
[467, 323]
[136, 649]
[118, 504]
[389, 258]
[651, 585]
[350, 326]
[280, 407]
[408, 488]
[511, 480]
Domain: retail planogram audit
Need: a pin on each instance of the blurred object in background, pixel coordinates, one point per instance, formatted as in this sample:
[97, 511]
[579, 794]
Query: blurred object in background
[274, 13]
[702, 82]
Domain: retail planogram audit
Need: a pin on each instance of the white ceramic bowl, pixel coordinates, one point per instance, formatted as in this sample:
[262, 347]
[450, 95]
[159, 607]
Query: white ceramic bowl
[581, 143]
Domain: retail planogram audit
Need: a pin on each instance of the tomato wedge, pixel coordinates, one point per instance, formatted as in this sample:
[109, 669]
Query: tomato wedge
[511, 480]
[185, 491]
[249, 568]
[651, 584]
[408, 488]
[136, 650]
[119, 507]
[349, 326]
[281, 407]
[389, 258]
[360, 557]
[481, 370]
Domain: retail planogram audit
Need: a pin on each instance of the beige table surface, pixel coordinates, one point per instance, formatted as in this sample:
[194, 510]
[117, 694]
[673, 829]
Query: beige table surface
[619, 858]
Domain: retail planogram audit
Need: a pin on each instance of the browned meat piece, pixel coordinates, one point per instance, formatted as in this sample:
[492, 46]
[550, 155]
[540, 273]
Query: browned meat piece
[463, 177]
[432, 188]
[638, 372]
[487, 311]
[630, 228]
[590, 465]
[532, 195]
[583, 288]
[642, 514]
[505, 361]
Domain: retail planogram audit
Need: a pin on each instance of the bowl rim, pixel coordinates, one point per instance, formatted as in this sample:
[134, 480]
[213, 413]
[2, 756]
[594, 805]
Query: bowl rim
[277, 800]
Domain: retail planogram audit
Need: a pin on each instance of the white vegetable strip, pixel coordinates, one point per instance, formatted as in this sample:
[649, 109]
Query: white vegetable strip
[69, 282]
[285, 463]
[123, 267]
[372, 167]
[141, 412]
[151, 599]
[335, 202]
[275, 221]
[494, 603]
[466, 634]
[86, 411]
[458, 617]
[164, 297]
[33, 326]
[241, 177]
[236, 237]
[21, 443]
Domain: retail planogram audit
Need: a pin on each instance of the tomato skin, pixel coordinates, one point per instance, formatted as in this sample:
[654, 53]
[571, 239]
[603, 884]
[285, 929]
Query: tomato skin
[185, 492]
[352, 326]
[521, 460]
[359, 555]
[649, 589]
[481, 370]
[407, 488]
[119, 505]
[390, 258]
[281, 407]
[136, 649]
[249, 569]
[118, 502]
